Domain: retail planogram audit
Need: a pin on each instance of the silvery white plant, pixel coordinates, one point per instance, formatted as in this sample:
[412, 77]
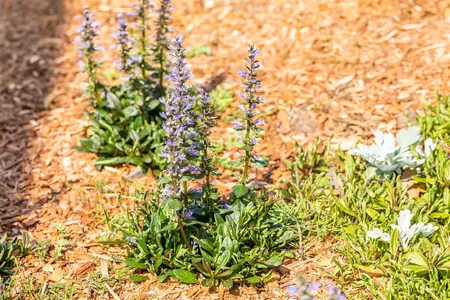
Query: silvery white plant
[377, 233]
[405, 230]
[391, 154]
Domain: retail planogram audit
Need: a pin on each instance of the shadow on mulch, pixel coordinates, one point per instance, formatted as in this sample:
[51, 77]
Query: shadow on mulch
[31, 33]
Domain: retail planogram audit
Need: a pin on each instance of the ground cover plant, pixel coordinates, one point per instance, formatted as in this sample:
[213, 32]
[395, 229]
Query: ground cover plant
[126, 125]
[392, 210]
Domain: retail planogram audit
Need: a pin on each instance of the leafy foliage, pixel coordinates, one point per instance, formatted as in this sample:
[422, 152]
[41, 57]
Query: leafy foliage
[9, 251]
[393, 229]
[389, 154]
[221, 98]
[435, 121]
[198, 51]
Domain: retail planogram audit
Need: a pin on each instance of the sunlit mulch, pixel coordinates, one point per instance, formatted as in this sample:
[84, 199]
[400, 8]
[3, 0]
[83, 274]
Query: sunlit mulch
[335, 68]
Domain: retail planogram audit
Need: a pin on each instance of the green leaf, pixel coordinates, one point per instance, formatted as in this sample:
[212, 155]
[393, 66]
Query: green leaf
[185, 276]
[223, 259]
[163, 277]
[225, 273]
[134, 264]
[175, 204]
[198, 50]
[163, 180]
[130, 111]
[395, 242]
[274, 261]
[136, 278]
[207, 282]
[153, 104]
[440, 215]
[134, 135]
[247, 148]
[370, 270]
[227, 283]
[240, 190]
[235, 163]
[112, 101]
[259, 164]
[253, 280]
[111, 161]
[416, 258]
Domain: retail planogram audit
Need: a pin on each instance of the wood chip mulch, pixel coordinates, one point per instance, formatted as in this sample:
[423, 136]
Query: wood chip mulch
[329, 68]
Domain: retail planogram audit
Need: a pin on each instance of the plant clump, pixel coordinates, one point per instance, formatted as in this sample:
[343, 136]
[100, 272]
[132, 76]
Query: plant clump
[126, 127]
[184, 230]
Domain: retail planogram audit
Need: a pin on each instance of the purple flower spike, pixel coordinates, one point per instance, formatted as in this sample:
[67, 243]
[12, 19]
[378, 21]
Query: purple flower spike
[124, 45]
[88, 31]
[249, 129]
[179, 118]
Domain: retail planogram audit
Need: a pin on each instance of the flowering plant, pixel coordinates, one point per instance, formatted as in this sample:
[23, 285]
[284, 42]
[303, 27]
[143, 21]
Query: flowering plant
[187, 231]
[126, 124]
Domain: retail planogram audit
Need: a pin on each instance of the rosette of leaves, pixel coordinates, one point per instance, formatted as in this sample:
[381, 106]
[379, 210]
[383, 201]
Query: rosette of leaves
[243, 245]
[125, 131]
[391, 154]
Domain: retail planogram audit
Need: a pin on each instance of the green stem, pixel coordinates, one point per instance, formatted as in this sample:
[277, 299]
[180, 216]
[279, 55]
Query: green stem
[185, 195]
[251, 96]
[180, 220]
[93, 77]
[207, 188]
[161, 71]
[183, 233]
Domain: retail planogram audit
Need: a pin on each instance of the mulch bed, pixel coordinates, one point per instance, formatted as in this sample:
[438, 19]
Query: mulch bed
[329, 68]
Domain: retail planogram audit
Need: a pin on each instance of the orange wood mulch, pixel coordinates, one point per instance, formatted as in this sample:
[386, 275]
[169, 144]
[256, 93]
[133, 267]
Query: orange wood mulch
[329, 68]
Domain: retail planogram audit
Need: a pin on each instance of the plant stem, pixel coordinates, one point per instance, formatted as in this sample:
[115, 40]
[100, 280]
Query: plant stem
[185, 195]
[161, 71]
[207, 188]
[180, 220]
[183, 233]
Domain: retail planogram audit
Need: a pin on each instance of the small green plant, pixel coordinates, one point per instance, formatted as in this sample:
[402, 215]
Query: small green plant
[221, 98]
[10, 251]
[393, 229]
[198, 50]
